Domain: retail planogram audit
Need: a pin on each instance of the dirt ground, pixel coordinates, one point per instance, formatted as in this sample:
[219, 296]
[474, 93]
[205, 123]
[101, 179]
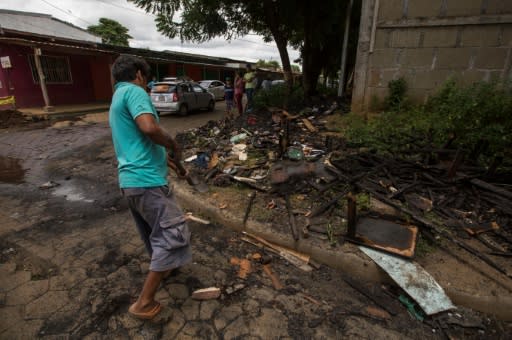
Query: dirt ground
[68, 229]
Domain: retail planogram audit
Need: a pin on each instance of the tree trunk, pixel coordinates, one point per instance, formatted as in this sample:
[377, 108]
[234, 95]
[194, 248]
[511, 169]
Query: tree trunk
[272, 21]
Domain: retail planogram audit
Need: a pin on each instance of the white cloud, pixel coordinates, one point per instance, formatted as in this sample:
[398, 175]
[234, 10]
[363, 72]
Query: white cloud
[83, 13]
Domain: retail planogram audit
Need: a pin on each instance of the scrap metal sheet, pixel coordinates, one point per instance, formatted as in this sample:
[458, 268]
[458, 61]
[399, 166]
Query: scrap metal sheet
[415, 280]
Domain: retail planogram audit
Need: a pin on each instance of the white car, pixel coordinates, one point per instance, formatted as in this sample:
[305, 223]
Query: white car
[214, 86]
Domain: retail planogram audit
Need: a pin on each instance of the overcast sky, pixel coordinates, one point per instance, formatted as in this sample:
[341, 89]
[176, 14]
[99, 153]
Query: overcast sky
[141, 25]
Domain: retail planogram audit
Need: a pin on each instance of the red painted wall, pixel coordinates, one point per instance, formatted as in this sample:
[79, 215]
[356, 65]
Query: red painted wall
[101, 78]
[28, 93]
[194, 71]
[171, 70]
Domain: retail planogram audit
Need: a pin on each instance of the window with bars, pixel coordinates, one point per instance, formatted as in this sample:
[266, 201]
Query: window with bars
[55, 69]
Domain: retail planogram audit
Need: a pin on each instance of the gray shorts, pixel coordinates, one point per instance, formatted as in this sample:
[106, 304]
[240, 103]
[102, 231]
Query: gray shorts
[161, 224]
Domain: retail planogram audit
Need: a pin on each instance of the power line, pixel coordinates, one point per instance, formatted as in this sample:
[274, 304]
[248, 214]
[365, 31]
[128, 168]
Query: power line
[127, 8]
[64, 11]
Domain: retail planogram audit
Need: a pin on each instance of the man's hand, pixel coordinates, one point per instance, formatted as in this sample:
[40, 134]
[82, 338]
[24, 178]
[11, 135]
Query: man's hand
[171, 164]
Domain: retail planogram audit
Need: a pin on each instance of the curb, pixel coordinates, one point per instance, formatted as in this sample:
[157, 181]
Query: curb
[346, 258]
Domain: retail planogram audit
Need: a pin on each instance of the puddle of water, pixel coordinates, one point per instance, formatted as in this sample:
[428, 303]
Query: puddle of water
[11, 170]
[70, 193]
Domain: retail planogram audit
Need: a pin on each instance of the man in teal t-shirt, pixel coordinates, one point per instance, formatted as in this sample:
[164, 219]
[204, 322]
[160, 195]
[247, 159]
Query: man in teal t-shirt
[140, 145]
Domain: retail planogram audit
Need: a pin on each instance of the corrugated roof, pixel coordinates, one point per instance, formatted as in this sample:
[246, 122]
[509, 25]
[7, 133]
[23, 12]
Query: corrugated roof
[43, 25]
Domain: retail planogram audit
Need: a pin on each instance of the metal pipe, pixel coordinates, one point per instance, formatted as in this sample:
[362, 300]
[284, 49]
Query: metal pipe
[341, 84]
[374, 25]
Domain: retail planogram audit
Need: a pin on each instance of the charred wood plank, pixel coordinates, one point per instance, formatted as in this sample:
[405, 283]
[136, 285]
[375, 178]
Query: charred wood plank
[291, 218]
[490, 187]
[252, 196]
[406, 188]
[459, 157]
[351, 216]
[324, 207]
[380, 299]
[426, 223]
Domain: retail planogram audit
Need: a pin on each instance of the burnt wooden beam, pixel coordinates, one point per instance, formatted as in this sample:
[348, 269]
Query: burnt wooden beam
[252, 196]
[351, 216]
[325, 206]
[426, 223]
[459, 157]
[490, 187]
[291, 218]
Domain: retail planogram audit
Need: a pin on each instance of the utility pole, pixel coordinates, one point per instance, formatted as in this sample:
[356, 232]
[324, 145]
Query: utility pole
[341, 84]
[42, 81]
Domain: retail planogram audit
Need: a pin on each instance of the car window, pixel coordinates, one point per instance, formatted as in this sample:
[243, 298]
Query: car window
[204, 84]
[197, 88]
[163, 88]
[184, 88]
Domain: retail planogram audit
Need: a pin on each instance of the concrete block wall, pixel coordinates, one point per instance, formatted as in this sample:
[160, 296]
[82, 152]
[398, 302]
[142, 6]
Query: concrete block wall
[427, 42]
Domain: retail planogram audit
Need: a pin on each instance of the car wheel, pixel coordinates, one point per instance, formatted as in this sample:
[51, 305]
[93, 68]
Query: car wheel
[183, 111]
[211, 105]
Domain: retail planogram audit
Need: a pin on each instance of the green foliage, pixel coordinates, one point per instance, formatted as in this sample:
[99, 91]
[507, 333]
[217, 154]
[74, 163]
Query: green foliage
[111, 32]
[314, 29]
[331, 235]
[481, 112]
[271, 64]
[396, 97]
[476, 115]
[363, 201]
[327, 91]
[295, 68]
[276, 96]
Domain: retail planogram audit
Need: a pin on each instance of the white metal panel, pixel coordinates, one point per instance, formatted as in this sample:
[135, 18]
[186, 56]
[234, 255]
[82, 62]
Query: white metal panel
[415, 280]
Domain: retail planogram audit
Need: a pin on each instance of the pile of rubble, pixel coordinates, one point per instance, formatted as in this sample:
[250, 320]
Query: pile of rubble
[316, 186]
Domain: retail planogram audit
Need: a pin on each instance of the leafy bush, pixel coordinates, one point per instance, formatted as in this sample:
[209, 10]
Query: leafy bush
[276, 97]
[477, 115]
[396, 100]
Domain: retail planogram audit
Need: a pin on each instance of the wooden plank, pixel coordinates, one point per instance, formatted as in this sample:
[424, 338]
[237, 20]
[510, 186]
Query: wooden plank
[309, 126]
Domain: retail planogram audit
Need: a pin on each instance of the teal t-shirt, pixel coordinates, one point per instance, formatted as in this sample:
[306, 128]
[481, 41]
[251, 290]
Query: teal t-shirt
[141, 163]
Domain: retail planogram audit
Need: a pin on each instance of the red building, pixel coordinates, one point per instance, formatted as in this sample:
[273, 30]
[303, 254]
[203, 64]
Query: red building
[75, 65]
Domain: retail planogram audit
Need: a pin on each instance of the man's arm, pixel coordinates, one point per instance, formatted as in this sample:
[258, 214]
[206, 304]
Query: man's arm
[148, 125]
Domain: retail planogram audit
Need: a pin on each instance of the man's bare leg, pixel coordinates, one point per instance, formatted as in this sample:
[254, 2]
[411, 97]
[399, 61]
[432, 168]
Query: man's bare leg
[146, 300]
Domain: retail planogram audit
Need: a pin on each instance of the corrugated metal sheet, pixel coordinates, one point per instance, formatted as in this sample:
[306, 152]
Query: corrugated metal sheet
[415, 280]
[43, 25]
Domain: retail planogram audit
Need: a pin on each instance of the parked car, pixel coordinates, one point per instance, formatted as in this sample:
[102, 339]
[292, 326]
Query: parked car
[214, 86]
[180, 97]
[278, 82]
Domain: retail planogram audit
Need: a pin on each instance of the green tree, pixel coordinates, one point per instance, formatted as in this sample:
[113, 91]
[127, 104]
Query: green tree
[111, 32]
[271, 64]
[305, 23]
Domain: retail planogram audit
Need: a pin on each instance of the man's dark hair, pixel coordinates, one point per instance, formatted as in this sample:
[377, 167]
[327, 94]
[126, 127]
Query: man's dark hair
[126, 66]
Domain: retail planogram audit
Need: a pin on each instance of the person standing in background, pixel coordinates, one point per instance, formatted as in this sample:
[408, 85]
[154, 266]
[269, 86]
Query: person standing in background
[228, 96]
[249, 78]
[151, 83]
[239, 92]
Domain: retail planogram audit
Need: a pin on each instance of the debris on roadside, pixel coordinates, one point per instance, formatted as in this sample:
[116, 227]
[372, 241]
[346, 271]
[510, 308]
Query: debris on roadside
[206, 293]
[285, 155]
[49, 185]
[189, 216]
